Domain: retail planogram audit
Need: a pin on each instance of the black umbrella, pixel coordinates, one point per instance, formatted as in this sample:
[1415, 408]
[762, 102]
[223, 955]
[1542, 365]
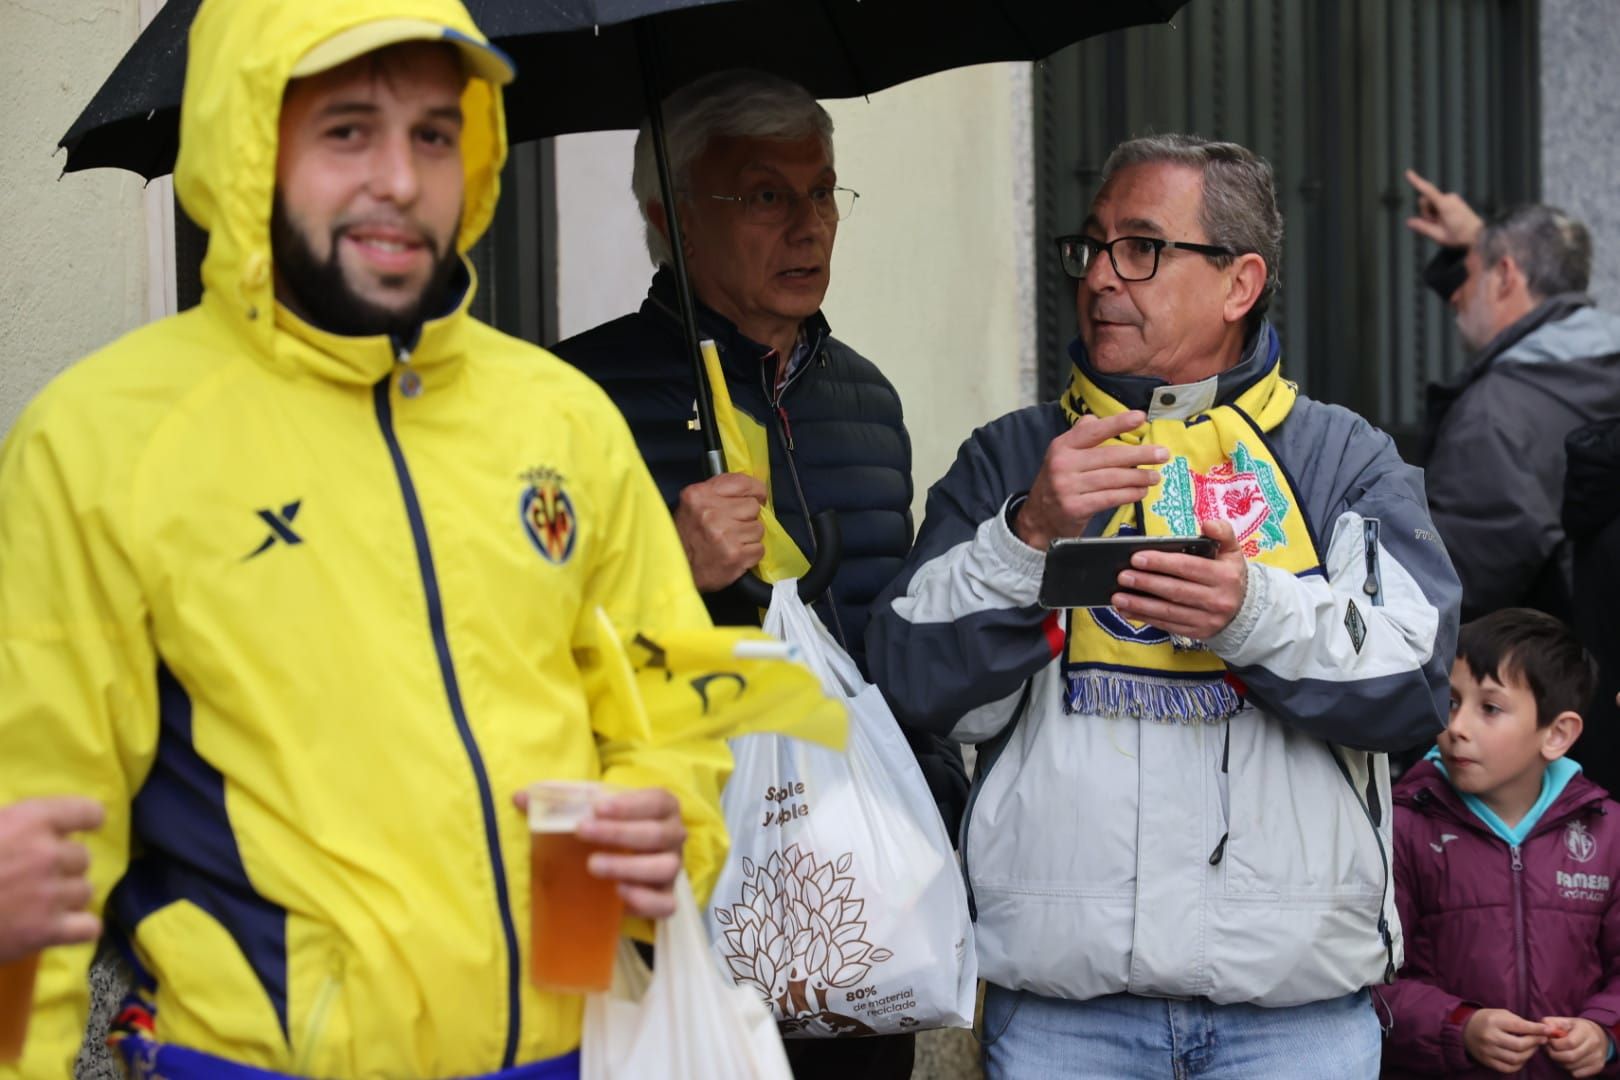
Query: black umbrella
[592, 65]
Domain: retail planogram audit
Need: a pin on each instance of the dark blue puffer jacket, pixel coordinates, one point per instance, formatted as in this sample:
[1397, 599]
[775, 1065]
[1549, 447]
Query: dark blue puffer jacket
[836, 435]
[837, 441]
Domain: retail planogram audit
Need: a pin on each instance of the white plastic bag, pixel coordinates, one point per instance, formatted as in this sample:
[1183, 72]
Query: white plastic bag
[841, 903]
[681, 1021]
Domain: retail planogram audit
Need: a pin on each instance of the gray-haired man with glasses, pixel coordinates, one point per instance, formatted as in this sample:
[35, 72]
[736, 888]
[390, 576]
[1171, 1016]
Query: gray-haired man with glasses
[760, 203]
[1179, 837]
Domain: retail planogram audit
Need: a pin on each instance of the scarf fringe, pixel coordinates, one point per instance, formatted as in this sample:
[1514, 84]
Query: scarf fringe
[1122, 696]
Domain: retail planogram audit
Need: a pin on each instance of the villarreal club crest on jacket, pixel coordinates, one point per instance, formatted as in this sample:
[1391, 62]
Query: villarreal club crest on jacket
[548, 514]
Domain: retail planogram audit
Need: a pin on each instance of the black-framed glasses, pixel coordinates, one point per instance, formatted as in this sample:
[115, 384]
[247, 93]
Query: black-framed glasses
[772, 206]
[1135, 258]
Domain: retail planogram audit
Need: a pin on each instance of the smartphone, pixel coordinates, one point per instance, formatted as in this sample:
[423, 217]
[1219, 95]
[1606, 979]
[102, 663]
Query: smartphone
[1085, 573]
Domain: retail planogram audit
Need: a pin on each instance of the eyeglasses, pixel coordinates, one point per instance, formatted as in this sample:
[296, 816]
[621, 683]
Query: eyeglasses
[1135, 258]
[773, 206]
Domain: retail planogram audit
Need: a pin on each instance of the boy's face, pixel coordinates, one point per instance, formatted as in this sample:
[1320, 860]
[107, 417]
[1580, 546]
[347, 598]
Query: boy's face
[1492, 746]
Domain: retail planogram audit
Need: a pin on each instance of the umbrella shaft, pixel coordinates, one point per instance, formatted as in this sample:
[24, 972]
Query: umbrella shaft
[647, 47]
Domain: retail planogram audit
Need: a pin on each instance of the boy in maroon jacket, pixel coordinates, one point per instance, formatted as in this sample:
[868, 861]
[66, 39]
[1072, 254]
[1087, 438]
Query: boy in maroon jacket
[1506, 860]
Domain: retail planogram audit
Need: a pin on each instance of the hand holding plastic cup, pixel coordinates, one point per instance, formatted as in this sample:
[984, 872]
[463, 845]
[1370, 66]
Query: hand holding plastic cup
[574, 916]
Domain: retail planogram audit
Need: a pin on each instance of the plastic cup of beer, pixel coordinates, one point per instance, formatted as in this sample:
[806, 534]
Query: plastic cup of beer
[16, 1002]
[574, 916]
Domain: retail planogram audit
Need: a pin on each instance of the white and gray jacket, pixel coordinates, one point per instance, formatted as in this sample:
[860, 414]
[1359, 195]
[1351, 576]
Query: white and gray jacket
[1245, 861]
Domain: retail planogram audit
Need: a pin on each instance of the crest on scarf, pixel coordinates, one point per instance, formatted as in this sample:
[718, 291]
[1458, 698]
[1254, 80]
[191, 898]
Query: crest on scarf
[1241, 490]
[548, 515]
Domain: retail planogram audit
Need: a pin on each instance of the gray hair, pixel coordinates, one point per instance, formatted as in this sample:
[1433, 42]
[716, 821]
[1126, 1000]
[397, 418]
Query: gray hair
[1239, 209]
[736, 103]
[1552, 248]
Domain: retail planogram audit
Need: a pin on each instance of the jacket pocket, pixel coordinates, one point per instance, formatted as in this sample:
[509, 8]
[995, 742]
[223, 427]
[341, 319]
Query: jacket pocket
[315, 1032]
[208, 995]
[1297, 832]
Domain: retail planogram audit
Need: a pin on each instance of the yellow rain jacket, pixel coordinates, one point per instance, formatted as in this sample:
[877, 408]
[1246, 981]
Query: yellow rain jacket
[305, 633]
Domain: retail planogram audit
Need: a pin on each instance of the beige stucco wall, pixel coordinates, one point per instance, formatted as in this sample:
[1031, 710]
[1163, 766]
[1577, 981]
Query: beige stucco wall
[931, 276]
[73, 270]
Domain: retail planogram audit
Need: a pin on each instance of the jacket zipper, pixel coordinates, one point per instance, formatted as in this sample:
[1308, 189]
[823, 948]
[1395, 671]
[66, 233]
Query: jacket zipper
[452, 689]
[319, 1014]
[1518, 931]
[1219, 853]
[1385, 934]
[1374, 585]
[989, 754]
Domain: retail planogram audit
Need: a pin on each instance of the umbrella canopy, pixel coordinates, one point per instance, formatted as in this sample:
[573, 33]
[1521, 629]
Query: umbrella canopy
[580, 62]
[591, 65]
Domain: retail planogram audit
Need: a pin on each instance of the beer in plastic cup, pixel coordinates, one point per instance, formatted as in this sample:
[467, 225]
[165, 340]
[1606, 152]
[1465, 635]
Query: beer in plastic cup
[16, 1002]
[574, 917]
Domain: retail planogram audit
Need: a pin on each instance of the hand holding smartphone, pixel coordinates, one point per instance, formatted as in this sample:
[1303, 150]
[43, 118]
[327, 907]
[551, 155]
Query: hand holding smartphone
[1085, 572]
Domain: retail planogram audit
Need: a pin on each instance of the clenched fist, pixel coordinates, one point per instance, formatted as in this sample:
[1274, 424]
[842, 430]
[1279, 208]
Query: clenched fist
[718, 522]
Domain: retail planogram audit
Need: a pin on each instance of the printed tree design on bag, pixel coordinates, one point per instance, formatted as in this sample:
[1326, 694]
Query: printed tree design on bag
[798, 934]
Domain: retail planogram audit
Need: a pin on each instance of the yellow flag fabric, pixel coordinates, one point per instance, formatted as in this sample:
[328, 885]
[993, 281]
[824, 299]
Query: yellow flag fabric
[1220, 468]
[677, 694]
[708, 684]
[744, 441]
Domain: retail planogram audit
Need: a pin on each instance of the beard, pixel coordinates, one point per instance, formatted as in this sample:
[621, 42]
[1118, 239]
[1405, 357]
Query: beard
[321, 293]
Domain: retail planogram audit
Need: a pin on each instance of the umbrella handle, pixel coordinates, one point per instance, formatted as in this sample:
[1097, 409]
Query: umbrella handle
[829, 548]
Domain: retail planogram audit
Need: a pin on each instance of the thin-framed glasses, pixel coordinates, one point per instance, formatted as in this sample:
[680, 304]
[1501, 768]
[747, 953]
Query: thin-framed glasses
[1135, 258]
[772, 206]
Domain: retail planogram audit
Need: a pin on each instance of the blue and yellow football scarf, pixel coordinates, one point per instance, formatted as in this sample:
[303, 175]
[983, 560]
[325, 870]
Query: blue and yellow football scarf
[1220, 467]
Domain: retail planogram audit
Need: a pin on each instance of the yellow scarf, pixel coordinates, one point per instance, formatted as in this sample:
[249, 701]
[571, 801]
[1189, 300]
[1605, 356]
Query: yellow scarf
[747, 450]
[1220, 467]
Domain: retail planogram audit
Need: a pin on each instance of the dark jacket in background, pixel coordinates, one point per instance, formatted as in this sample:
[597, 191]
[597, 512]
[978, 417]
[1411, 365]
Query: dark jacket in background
[837, 441]
[1592, 522]
[1495, 464]
[1533, 929]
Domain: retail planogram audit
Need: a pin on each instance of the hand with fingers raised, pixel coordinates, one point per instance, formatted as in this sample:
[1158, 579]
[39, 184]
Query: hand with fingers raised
[1080, 478]
[43, 888]
[1443, 216]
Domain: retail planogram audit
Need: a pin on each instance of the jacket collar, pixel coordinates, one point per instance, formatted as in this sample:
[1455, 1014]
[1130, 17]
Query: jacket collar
[1423, 785]
[1261, 352]
[301, 346]
[740, 355]
[1441, 396]
[1549, 310]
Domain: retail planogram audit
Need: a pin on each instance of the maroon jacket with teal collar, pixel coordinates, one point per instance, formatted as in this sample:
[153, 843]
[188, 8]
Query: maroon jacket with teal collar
[1533, 928]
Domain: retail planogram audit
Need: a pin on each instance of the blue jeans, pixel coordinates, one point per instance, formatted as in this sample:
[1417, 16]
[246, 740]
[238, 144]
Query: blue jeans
[1030, 1037]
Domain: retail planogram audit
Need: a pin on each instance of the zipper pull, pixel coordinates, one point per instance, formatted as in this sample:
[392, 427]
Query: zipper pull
[1220, 850]
[787, 427]
[410, 382]
[1518, 863]
[1372, 587]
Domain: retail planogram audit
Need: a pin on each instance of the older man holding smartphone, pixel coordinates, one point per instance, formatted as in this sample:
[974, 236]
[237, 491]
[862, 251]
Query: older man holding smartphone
[1177, 843]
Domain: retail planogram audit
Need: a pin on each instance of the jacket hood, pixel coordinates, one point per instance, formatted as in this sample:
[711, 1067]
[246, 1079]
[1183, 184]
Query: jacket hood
[1584, 332]
[241, 54]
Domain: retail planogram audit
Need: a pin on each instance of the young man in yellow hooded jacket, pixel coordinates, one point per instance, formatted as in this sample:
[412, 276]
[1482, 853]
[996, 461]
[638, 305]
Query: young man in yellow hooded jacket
[303, 585]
